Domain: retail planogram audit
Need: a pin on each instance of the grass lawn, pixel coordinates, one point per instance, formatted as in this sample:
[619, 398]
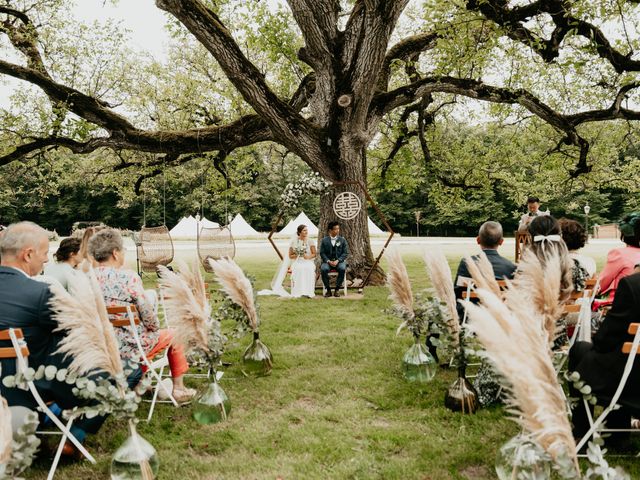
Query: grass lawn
[335, 407]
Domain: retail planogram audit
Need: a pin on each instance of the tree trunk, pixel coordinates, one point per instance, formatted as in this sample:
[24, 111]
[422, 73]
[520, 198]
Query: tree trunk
[356, 231]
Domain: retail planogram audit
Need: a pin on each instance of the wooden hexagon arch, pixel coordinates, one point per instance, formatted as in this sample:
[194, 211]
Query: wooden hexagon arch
[372, 203]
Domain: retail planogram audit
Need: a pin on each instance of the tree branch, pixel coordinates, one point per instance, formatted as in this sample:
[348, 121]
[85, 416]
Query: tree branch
[287, 126]
[511, 20]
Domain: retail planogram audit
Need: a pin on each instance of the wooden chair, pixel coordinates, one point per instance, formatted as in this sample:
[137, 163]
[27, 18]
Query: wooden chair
[333, 274]
[522, 240]
[630, 349]
[20, 352]
[131, 320]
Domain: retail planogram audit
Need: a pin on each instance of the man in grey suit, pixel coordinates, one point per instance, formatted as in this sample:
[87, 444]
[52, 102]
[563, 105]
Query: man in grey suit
[334, 251]
[24, 304]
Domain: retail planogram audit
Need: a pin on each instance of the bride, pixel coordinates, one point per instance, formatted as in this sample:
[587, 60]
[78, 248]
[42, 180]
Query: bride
[300, 259]
[303, 267]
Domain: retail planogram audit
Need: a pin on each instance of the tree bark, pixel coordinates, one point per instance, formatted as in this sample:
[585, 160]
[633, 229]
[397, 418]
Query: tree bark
[351, 168]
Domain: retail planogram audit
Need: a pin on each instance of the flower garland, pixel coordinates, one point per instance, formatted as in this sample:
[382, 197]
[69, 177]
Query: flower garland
[308, 183]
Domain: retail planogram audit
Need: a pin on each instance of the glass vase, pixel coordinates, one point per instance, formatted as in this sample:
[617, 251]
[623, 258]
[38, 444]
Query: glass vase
[418, 365]
[520, 457]
[213, 406]
[257, 360]
[461, 396]
[136, 459]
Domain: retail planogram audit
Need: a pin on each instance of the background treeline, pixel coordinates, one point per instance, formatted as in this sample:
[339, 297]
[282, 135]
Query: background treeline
[473, 173]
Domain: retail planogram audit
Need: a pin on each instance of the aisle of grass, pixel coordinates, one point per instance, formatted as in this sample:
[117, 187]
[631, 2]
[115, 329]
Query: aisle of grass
[335, 407]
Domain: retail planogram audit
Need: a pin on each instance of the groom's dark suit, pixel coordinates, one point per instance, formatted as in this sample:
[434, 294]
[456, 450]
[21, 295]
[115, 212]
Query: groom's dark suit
[338, 250]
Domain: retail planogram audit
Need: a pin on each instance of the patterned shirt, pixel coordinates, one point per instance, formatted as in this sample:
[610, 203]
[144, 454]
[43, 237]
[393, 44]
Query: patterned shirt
[122, 287]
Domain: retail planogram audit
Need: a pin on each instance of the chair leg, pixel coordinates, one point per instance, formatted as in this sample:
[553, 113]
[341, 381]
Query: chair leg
[56, 458]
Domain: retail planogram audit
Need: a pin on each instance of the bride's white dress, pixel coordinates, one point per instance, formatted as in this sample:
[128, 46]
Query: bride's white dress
[303, 273]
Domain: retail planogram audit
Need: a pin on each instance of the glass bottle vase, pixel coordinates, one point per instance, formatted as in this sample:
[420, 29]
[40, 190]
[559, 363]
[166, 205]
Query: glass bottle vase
[212, 406]
[136, 459]
[418, 365]
[461, 395]
[257, 360]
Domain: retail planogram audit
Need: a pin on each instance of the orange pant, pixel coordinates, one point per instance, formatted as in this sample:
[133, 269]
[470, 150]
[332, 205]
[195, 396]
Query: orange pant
[177, 361]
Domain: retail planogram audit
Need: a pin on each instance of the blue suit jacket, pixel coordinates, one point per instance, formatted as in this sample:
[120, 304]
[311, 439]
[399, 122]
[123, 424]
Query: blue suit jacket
[24, 303]
[338, 252]
[502, 268]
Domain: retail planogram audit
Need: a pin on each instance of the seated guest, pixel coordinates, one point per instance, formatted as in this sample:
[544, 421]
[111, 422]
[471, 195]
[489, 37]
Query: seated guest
[547, 240]
[621, 261]
[533, 211]
[121, 286]
[490, 238]
[24, 304]
[601, 363]
[67, 259]
[575, 237]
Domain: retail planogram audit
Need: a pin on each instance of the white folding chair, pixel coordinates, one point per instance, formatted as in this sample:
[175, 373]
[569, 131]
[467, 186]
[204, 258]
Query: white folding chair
[155, 368]
[631, 349]
[20, 352]
[582, 329]
[168, 325]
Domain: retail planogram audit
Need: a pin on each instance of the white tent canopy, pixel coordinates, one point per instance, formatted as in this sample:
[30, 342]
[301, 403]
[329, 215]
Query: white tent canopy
[301, 219]
[373, 228]
[240, 228]
[187, 227]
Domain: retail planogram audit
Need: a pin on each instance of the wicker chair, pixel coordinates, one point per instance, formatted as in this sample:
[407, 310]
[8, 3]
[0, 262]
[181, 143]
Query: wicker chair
[215, 243]
[154, 247]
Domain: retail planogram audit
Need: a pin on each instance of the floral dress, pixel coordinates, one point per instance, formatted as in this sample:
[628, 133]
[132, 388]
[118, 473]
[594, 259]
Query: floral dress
[122, 287]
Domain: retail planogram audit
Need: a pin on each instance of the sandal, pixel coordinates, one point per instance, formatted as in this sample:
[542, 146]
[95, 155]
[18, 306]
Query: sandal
[184, 396]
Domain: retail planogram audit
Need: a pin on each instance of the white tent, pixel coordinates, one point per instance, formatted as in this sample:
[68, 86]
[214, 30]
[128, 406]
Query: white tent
[301, 219]
[373, 228]
[187, 227]
[241, 228]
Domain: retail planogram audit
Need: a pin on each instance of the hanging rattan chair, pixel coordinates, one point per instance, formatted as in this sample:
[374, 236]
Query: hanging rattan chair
[215, 243]
[154, 247]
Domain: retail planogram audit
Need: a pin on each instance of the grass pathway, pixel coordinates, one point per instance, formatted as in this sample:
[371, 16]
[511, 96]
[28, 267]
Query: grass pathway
[335, 407]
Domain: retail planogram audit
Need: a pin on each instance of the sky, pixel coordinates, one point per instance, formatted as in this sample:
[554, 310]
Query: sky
[145, 22]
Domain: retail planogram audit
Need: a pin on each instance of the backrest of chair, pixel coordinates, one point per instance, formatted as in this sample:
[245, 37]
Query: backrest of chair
[9, 352]
[583, 293]
[591, 282]
[116, 312]
[633, 330]
[572, 308]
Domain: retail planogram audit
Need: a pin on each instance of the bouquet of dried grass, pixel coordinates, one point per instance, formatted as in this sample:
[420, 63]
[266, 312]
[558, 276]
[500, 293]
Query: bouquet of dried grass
[514, 342]
[418, 365]
[257, 359]
[187, 306]
[91, 344]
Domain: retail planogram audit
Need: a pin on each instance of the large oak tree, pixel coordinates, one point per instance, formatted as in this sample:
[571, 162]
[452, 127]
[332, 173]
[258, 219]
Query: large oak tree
[359, 67]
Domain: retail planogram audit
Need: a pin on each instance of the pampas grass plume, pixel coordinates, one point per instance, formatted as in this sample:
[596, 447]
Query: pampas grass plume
[186, 306]
[518, 348]
[90, 340]
[399, 283]
[237, 286]
[440, 273]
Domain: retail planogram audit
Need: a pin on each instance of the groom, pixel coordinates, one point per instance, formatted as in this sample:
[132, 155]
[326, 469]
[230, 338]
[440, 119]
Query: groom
[333, 252]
